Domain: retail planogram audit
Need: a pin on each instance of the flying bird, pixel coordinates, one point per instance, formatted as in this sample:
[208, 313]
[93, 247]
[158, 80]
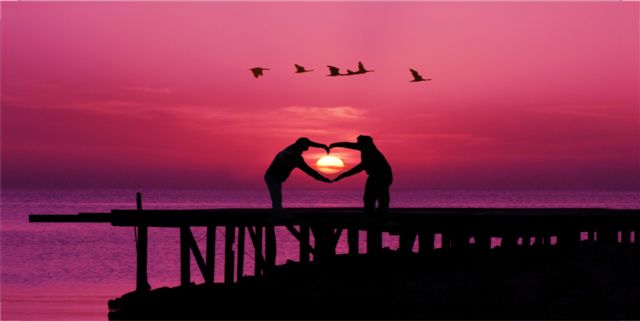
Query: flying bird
[257, 71]
[334, 71]
[417, 77]
[300, 69]
[361, 69]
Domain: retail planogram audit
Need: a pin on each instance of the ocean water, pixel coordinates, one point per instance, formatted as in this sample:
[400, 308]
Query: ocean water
[69, 271]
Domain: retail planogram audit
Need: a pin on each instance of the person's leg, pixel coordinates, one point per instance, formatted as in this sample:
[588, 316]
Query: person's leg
[270, 246]
[374, 233]
[369, 196]
[275, 191]
[383, 198]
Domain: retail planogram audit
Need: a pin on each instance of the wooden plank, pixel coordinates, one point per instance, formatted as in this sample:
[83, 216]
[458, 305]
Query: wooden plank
[320, 242]
[240, 268]
[344, 217]
[256, 238]
[607, 235]
[303, 237]
[211, 254]
[568, 238]
[483, 241]
[305, 248]
[142, 283]
[270, 247]
[185, 258]
[325, 240]
[336, 238]
[228, 253]
[425, 243]
[457, 239]
[259, 264]
[353, 239]
[407, 240]
[293, 231]
[71, 218]
[374, 240]
[193, 245]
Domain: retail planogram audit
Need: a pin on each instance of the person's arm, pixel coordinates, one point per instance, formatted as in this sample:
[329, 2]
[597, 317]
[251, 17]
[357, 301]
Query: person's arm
[305, 168]
[345, 145]
[323, 146]
[359, 168]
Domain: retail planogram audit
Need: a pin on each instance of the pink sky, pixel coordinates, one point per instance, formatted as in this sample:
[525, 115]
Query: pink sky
[524, 95]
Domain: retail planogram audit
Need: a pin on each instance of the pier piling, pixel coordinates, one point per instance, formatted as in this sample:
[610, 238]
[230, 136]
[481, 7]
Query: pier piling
[142, 283]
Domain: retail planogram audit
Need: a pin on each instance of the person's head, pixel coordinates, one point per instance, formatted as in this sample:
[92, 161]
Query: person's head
[302, 144]
[366, 141]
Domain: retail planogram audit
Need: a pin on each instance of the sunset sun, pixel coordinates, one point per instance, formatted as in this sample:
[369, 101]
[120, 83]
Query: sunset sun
[329, 164]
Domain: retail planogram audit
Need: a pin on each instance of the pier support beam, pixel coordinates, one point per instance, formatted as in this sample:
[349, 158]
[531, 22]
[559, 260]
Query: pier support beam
[353, 238]
[509, 241]
[608, 235]
[483, 241]
[211, 254]
[374, 240]
[185, 259]
[325, 242]
[189, 244]
[407, 240]
[270, 247]
[141, 248]
[568, 238]
[240, 268]
[303, 236]
[425, 243]
[304, 243]
[229, 238]
[256, 238]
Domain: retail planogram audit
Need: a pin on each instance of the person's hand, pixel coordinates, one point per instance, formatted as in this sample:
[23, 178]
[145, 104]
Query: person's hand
[337, 179]
[327, 148]
[331, 146]
[326, 180]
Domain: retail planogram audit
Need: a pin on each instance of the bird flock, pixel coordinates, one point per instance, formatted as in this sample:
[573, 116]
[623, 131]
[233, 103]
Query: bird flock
[335, 72]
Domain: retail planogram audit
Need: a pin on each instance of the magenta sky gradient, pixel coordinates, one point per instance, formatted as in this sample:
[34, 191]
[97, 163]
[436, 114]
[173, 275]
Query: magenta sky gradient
[525, 95]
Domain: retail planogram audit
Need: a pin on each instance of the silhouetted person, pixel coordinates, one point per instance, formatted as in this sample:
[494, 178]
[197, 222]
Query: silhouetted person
[284, 163]
[281, 167]
[376, 166]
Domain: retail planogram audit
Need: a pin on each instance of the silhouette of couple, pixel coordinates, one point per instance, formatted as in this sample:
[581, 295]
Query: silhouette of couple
[372, 162]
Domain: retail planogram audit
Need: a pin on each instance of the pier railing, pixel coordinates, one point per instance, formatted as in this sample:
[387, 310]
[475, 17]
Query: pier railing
[474, 229]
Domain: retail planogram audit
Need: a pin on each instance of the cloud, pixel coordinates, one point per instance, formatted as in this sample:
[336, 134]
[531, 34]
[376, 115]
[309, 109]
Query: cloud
[151, 90]
[327, 113]
[276, 122]
[444, 137]
[593, 111]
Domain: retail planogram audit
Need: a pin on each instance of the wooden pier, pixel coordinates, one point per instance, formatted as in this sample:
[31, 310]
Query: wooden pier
[470, 229]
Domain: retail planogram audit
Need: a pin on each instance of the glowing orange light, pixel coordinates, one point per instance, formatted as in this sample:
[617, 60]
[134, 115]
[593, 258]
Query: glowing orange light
[329, 164]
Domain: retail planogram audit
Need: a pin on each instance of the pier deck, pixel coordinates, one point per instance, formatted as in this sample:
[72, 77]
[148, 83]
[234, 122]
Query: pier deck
[457, 228]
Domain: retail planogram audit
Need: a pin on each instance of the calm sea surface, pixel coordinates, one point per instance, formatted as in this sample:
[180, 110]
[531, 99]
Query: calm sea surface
[69, 271]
